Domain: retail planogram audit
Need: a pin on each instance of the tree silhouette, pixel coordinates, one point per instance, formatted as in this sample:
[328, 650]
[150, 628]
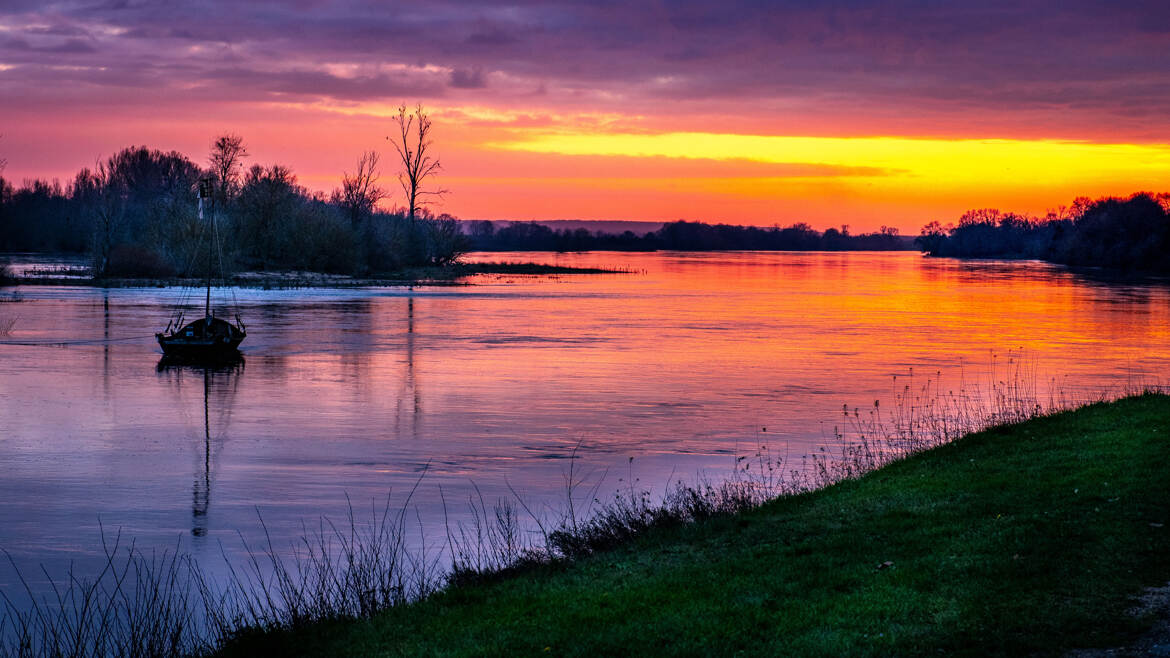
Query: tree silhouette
[413, 144]
[360, 193]
[227, 163]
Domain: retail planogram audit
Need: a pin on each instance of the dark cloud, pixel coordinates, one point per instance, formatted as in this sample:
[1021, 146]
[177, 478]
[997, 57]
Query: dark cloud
[68, 46]
[307, 84]
[467, 79]
[59, 30]
[1110, 59]
[492, 36]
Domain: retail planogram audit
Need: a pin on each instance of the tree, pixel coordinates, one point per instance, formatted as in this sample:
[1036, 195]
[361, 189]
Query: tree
[360, 192]
[413, 145]
[445, 242]
[227, 163]
[144, 206]
[268, 199]
[107, 204]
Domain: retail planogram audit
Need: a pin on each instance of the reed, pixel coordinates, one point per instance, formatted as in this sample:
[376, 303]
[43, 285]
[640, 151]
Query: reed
[348, 571]
[7, 318]
[140, 604]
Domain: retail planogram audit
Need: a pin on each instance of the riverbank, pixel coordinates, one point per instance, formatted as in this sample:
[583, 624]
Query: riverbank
[431, 276]
[1030, 539]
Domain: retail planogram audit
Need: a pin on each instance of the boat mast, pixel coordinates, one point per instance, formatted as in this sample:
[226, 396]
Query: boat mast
[207, 305]
[205, 193]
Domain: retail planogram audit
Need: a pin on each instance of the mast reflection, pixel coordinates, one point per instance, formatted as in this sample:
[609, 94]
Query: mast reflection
[222, 378]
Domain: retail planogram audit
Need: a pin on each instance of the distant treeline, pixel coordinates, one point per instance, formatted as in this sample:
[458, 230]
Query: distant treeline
[1122, 233]
[136, 215]
[680, 235]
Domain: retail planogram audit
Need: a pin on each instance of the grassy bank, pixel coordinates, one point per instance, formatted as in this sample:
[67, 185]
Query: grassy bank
[438, 275]
[1026, 539]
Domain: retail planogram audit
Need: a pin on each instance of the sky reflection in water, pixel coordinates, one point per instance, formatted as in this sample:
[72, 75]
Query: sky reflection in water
[355, 392]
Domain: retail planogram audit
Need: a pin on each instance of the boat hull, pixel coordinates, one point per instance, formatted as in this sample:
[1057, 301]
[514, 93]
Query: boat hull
[210, 337]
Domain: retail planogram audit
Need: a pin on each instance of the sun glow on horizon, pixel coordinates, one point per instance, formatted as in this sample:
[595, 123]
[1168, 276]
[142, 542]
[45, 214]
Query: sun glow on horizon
[957, 162]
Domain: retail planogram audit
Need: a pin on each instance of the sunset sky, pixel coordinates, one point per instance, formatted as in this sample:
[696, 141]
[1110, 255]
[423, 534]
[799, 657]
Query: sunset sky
[861, 113]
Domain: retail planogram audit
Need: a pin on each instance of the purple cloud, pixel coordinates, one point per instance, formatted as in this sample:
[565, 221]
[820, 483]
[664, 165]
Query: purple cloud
[468, 79]
[1089, 59]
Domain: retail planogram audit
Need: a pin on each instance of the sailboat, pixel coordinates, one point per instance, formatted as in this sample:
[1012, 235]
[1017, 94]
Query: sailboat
[208, 338]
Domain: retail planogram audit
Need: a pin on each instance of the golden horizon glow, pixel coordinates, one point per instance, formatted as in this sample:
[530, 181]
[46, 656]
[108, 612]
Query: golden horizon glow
[953, 162]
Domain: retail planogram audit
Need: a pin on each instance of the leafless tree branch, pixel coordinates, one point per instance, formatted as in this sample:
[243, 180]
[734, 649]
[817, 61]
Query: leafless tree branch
[227, 162]
[360, 192]
[413, 144]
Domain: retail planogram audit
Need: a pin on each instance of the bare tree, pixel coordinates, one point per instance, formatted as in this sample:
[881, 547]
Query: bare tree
[107, 200]
[360, 192]
[413, 145]
[227, 162]
[3, 161]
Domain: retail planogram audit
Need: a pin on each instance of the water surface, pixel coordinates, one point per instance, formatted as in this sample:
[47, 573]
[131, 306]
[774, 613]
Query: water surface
[680, 364]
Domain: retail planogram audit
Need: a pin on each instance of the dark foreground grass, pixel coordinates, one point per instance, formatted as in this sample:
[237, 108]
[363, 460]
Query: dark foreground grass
[1028, 539]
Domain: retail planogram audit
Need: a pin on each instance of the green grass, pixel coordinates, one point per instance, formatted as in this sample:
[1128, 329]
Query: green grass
[1028, 539]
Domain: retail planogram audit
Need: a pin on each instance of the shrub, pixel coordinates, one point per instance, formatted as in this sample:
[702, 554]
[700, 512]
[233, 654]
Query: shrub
[137, 261]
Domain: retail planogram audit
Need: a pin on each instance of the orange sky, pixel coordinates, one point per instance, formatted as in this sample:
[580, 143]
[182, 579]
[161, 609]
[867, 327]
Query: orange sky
[861, 117]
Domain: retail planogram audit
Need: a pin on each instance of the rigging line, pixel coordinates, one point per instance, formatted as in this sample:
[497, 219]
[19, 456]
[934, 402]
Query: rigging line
[235, 308]
[186, 291]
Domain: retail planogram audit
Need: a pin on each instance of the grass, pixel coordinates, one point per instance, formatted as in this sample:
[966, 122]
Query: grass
[507, 267]
[7, 318]
[1031, 538]
[427, 275]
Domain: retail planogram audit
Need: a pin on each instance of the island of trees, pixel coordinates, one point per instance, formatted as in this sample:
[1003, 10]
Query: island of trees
[682, 236]
[1131, 233]
[134, 213]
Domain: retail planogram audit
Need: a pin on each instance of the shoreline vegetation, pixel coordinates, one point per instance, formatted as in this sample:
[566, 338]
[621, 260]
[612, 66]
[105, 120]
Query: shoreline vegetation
[139, 234]
[681, 235]
[134, 215]
[450, 274]
[977, 520]
[1124, 234]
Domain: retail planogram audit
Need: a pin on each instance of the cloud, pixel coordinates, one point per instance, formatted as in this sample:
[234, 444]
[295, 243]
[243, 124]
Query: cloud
[307, 83]
[468, 79]
[1081, 61]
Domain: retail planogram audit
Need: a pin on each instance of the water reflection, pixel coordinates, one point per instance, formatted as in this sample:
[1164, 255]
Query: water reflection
[410, 389]
[225, 374]
[352, 392]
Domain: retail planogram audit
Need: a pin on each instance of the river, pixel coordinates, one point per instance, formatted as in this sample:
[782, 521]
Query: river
[684, 362]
